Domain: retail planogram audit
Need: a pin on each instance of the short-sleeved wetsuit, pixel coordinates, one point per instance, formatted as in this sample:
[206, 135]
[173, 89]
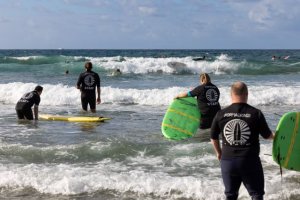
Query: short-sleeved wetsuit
[88, 81]
[208, 102]
[23, 107]
[240, 126]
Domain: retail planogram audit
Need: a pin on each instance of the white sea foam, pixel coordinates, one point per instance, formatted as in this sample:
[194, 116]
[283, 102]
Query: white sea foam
[70, 179]
[142, 65]
[73, 179]
[133, 175]
[28, 57]
[65, 95]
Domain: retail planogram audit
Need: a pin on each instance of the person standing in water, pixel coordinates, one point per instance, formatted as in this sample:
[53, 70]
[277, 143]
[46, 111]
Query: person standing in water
[208, 100]
[87, 82]
[240, 126]
[23, 107]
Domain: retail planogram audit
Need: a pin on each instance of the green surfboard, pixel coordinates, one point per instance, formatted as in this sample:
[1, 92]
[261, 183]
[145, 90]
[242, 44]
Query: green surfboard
[182, 119]
[286, 144]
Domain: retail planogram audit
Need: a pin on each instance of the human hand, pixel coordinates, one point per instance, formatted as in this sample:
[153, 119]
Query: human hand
[98, 100]
[219, 155]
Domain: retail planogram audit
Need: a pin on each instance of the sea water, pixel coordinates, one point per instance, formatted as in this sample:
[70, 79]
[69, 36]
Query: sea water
[127, 157]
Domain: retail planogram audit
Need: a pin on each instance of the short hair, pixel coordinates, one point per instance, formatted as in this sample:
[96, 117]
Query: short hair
[88, 65]
[204, 77]
[239, 88]
[38, 88]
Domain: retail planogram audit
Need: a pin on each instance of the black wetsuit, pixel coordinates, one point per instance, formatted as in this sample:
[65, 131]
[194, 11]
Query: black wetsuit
[240, 126]
[208, 102]
[23, 107]
[88, 81]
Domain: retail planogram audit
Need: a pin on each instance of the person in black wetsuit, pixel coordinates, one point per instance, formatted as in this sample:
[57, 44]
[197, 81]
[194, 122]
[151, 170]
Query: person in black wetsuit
[87, 83]
[240, 126]
[23, 107]
[197, 59]
[208, 100]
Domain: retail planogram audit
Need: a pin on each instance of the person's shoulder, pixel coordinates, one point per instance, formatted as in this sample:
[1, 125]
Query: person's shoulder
[212, 84]
[199, 88]
[254, 110]
[202, 86]
[82, 73]
[93, 72]
[221, 113]
[34, 92]
[252, 107]
[226, 109]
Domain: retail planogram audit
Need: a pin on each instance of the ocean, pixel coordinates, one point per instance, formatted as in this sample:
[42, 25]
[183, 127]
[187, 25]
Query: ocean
[127, 157]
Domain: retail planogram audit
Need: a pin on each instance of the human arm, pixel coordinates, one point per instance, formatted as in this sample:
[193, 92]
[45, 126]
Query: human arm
[271, 137]
[214, 136]
[36, 112]
[182, 95]
[98, 95]
[217, 148]
[79, 81]
[265, 131]
[98, 88]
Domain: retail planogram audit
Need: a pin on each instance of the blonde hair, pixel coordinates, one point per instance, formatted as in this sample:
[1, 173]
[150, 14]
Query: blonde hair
[204, 78]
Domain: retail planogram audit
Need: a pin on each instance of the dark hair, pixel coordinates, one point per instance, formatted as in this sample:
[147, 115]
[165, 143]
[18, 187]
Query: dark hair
[88, 66]
[38, 88]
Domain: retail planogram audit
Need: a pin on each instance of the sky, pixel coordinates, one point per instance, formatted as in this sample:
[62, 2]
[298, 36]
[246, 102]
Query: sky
[150, 24]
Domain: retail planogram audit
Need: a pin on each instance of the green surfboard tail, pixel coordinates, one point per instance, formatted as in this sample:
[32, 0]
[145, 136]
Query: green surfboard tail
[286, 144]
[182, 119]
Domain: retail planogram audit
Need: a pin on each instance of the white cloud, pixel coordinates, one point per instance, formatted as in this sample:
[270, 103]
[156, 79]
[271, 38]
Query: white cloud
[260, 14]
[147, 10]
[269, 11]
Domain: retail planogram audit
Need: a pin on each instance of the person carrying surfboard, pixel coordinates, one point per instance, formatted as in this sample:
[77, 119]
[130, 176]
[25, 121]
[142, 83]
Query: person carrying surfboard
[87, 83]
[208, 96]
[24, 105]
[240, 126]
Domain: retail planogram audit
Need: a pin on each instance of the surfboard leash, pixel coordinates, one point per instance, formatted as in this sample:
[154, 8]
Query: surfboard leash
[280, 168]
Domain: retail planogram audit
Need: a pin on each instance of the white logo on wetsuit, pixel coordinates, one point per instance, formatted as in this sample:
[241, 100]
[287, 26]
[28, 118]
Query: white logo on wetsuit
[89, 80]
[237, 132]
[211, 95]
[28, 96]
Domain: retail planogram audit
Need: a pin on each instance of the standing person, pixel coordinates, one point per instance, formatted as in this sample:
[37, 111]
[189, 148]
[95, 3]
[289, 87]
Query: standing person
[208, 100]
[23, 107]
[240, 126]
[87, 83]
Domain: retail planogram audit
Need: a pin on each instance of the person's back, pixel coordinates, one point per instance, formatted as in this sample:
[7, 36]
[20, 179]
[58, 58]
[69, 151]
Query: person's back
[28, 100]
[208, 100]
[87, 82]
[240, 126]
[208, 96]
[23, 106]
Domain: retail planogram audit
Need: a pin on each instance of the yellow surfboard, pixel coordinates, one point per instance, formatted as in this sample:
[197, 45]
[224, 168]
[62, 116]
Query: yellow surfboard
[72, 118]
